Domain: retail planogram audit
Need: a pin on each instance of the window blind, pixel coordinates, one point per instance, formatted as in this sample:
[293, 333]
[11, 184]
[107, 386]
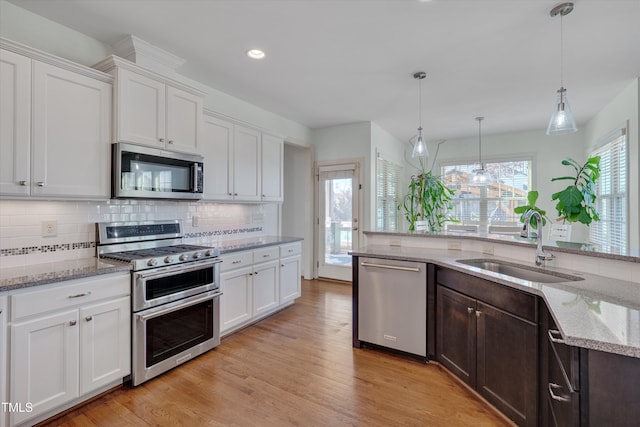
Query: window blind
[388, 194]
[611, 232]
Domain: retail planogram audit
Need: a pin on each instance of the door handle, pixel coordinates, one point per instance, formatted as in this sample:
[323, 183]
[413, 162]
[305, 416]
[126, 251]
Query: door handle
[390, 267]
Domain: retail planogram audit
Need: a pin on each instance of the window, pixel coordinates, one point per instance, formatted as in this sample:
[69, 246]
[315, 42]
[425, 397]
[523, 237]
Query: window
[611, 232]
[494, 203]
[388, 194]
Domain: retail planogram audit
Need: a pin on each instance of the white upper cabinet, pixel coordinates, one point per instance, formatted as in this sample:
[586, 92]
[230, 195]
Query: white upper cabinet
[246, 164]
[15, 123]
[56, 123]
[154, 110]
[217, 149]
[241, 163]
[272, 168]
[141, 109]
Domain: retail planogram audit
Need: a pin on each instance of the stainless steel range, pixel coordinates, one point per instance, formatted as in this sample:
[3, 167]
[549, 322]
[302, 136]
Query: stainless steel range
[175, 294]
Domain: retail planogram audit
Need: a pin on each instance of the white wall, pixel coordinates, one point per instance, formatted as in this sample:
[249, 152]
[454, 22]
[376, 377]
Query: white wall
[297, 209]
[625, 108]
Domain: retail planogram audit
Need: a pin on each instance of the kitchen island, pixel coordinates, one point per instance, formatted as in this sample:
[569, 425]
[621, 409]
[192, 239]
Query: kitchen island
[539, 352]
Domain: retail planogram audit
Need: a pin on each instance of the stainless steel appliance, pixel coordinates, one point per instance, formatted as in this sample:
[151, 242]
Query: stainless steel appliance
[175, 295]
[392, 304]
[154, 173]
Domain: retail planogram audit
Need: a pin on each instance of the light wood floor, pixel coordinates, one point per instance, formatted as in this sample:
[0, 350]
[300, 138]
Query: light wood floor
[296, 368]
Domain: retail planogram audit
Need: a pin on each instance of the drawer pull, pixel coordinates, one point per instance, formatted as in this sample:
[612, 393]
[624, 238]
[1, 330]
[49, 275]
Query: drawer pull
[88, 318]
[84, 294]
[236, 262]
[470, 310]
[72, 323]
[390, 267]
[266, 256]
[478, 313]
[290, 250]
[554, 396]
[555, 336]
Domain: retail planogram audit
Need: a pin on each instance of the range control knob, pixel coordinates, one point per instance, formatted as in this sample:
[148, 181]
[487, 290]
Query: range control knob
[168, 260]
[152, 262]
[196, 255]
[209, 252]
[183, 257]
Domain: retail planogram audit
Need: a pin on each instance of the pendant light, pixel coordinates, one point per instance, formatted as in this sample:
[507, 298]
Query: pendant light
[420, 146]
[480, 177]
[562, 119]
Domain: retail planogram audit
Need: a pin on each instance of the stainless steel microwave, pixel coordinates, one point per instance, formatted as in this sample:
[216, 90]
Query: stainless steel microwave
[153, 173]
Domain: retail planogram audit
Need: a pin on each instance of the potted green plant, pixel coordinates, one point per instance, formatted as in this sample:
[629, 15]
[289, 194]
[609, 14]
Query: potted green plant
[427, 200]
[532, 198]
[576, 202]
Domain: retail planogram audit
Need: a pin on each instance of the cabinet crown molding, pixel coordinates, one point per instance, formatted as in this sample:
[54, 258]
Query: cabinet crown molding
[147, 55]
[50, 59]
[111, 62]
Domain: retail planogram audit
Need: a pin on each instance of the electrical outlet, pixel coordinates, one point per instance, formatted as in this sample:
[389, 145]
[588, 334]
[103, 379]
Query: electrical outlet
[454, 245]
[49, 228]
[487, 249]
[195, 221]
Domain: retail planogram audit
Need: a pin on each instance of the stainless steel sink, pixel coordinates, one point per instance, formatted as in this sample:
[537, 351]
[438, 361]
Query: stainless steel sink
[519, 271]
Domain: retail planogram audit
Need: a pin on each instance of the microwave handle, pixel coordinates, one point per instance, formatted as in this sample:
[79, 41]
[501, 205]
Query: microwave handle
[195, 177]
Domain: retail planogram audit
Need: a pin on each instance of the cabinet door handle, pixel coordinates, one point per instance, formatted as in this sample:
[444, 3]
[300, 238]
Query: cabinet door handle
[470, 310]
[231, 194]
[72, 323]
[170, 141]
[40, 183]
[555, 396]
[88, 318]
[553, 336]
[256, 273]
[478, 313]
[23, 183]
[235, 194]
[84, 294]
[390, 267]
[161, 139]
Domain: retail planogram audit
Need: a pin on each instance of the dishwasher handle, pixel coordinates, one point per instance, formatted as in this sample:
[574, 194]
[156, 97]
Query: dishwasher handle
[390, 267]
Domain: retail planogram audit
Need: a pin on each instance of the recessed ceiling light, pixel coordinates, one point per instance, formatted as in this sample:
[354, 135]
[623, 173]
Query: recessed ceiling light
[255, 54]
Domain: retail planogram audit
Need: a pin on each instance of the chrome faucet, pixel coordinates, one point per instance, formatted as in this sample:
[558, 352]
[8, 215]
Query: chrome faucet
[540, 254]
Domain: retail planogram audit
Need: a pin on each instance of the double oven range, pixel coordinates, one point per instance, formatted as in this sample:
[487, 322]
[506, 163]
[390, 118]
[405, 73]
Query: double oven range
[175, 297]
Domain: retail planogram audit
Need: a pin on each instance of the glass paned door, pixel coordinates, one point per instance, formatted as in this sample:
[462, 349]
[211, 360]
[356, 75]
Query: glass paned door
[338, 220]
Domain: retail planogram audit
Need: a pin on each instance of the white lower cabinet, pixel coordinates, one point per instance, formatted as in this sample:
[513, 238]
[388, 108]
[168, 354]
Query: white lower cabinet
[68, 342]
[266, 287]
[253, 282]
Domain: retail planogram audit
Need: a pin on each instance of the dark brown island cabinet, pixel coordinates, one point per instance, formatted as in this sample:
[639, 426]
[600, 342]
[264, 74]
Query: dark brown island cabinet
[505, 344]
[584, 387]
[487, 335]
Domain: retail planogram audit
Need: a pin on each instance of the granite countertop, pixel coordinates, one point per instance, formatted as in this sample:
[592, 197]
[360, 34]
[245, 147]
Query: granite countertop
[247, 244]
[598, 312]
[585, 249]
[42, 274]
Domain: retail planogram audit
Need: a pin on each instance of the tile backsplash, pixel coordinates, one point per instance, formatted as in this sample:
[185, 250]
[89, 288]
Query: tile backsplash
[21, 233]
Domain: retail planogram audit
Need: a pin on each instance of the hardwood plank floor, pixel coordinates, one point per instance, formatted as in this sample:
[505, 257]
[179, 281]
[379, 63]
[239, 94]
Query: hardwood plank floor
[295, 368]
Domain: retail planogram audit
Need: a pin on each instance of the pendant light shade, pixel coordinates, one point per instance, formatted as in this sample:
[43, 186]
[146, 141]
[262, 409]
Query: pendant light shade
[420, 146]
[562, 119]
[480, 177]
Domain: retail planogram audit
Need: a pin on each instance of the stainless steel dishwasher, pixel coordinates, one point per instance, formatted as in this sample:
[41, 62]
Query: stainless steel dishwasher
[392, 304]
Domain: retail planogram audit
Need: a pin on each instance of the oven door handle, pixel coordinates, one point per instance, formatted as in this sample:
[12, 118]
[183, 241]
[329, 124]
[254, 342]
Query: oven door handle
[182, 304]
[171, 271]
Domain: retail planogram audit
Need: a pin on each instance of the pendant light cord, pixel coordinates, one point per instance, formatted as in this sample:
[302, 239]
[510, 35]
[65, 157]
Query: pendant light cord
[479, 119]
[561, 53]
[420, 103]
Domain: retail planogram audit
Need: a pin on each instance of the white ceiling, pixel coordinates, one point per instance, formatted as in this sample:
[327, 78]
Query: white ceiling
[332, 62]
